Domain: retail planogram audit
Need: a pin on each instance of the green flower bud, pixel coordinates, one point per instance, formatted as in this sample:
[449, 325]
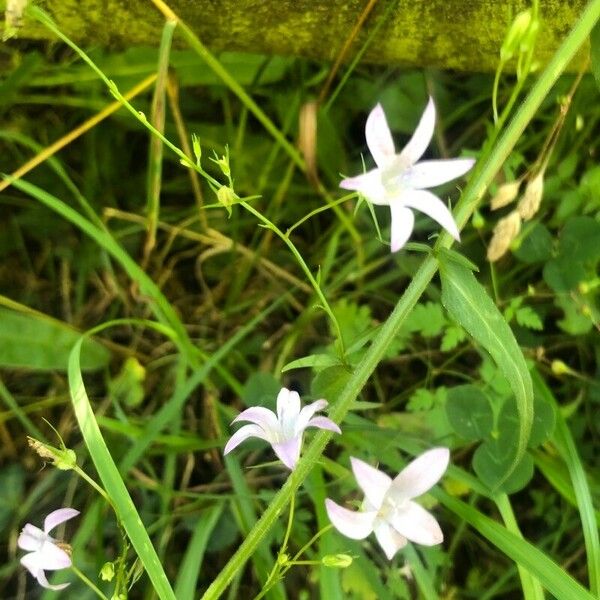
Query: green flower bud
[107, 572]
[338, 561]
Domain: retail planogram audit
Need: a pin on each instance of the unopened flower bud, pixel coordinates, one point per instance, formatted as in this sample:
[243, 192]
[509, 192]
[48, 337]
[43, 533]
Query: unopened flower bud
[283, 558]
[107, 572]
[196, 147]
[478, 221]
[515, 35]
[226, 197]
[532, 198]
[505, 232]
[506, 193]
[338, 561]
[558, 367]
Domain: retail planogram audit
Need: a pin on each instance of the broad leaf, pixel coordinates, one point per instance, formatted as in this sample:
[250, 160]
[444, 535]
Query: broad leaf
[41, 343]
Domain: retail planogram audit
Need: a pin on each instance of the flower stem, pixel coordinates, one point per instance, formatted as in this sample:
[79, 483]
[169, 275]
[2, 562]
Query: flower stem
[489, 164]
[315, 284]
[88, 582]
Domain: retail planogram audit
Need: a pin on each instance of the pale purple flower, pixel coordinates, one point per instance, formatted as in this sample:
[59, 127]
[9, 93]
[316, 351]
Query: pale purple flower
[44, 552]
[283, 430]
[388, 508]
[400, 182]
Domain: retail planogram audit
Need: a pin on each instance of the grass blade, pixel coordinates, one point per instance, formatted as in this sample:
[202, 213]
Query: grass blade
[111, 479]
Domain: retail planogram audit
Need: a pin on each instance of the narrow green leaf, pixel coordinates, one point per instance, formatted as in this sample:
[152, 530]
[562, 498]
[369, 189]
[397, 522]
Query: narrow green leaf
[111, 479]
[550, 575]
[468, 303]
[312, 361]
[187, 578]
[568, 450]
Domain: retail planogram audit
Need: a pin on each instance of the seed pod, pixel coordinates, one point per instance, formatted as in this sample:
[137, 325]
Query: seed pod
[506, 193]
[505, 232]
[532, 198]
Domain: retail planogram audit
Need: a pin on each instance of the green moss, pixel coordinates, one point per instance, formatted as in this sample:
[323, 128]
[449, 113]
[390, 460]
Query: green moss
[440, 33]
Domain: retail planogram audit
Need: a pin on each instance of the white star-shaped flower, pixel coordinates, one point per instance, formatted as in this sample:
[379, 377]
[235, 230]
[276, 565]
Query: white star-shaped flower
[388, 508]
[44, 552]
[284, 430]
[400, 182]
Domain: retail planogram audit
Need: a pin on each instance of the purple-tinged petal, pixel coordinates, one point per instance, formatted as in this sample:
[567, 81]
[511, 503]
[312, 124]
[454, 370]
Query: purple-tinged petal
[389, 539]
[355, 525]
[242, 434]
[31, 538]
[261, 416]
[41, 578]
[30, 562]
[288, 410]
[420, 139]
[417, 525]
[379, 137]
[371, 481]
[307, 412]
[52, 558]
[289, 451]
[433, 207]
[369, 185]
[324, 423]
[57, 517]
[403, 222]
[430, 173]
[421, 474]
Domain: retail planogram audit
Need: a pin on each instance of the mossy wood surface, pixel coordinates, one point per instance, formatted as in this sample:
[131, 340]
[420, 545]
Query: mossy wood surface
[457, 34]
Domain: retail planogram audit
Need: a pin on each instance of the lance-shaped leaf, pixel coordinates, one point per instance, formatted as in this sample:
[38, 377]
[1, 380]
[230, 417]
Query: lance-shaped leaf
[468, 303]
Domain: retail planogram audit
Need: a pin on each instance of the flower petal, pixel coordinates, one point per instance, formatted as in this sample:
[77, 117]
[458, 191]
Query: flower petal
[371, 481]
[369, 184]
[261, 416]
[379, 137]
[242, 434]
[403, 222]
[41, 578]
[289, 451]
[433, 207]
[389, 539]
[355, 525]
[420, 139]
[430, 173]
[52, 558]
[324, 423]
[307, 412]
[57, 517]
[31, 538]
[421, 474]
[288, 410]
[417, 525]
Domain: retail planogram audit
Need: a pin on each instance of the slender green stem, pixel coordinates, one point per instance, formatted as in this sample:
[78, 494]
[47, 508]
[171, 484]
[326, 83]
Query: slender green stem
[290, 522]
[482, 176]
[312, 540]
[98, 488]
[316, 211]
[315, 284]
[88, 582]
[221, 72]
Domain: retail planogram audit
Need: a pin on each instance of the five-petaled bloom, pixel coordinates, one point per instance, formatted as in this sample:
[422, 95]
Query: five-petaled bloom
[388, 508]
[283, 430]
[399, 181]
[45, 553]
